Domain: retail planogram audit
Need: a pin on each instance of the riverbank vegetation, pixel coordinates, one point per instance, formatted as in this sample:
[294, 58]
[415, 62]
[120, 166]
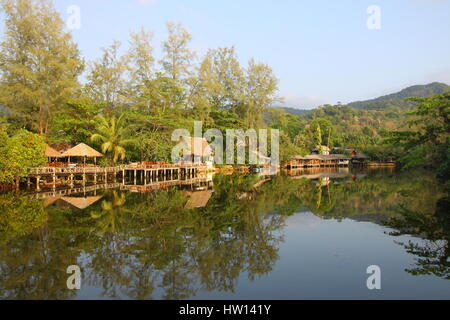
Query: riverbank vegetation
[130, 101]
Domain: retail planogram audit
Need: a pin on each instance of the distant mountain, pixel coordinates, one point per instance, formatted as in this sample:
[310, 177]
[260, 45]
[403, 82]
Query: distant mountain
[397, 99]
[296, 112]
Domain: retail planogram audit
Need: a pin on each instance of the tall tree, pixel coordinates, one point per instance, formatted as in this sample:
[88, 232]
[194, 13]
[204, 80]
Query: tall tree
[260, 91]
[106, 80]
[39, 63]
[177, 55]
[140, 57]
[221, 78]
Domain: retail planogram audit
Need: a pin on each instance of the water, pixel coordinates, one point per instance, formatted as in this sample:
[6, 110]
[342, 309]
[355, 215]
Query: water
[304, 237]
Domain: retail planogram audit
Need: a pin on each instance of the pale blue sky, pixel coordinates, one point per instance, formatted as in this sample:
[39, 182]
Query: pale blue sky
[322, 51]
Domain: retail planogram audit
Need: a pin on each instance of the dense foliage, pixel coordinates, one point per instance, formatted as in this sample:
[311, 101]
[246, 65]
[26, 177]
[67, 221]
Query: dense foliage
[18, 153]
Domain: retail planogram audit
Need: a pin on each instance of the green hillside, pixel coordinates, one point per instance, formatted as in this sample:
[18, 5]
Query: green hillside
[296, 112]
[397, 99]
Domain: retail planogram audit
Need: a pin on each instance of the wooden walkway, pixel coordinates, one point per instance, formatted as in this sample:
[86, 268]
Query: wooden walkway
[57, 176]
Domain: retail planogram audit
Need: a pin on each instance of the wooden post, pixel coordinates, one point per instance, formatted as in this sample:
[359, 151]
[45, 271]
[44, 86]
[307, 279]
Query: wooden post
[38, 181]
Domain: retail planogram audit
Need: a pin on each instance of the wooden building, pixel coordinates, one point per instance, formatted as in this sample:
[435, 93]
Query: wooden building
[360, 159]
[198, 151]
[318, 160]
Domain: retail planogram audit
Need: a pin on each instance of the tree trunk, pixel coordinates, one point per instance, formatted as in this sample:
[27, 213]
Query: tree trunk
[17, 183]
[41, 126]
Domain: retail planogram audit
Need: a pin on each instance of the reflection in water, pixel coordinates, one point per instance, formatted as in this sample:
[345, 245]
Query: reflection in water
[434, 253]
[175, 242]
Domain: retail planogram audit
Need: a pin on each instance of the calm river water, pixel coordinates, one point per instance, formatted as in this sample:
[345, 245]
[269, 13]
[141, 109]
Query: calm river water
[311, 236]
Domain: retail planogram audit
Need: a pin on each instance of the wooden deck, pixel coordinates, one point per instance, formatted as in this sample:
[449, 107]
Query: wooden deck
[57, 176]
[44, 171]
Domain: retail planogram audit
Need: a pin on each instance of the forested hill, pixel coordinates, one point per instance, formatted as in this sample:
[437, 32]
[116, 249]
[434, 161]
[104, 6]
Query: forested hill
[397, 99]
[296, 112]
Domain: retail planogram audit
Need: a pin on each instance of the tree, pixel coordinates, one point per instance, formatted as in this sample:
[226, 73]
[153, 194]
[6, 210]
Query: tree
[18, 153]
[106, 80]
[318, 136]
[140, 56]
[428, 138]
[260, 91]
[160, 94]
[177, 55]
[221, 79]
[326, 129]
[39, 63]
[112, 135]
[75, 122]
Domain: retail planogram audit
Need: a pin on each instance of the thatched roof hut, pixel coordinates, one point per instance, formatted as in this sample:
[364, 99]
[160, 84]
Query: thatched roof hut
[198, 199]
[82, 150]
[81, 203]
[52, 153]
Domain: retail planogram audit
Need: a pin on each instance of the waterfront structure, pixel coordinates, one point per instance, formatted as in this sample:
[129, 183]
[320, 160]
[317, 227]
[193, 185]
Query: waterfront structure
[53, 177]
[318, 160]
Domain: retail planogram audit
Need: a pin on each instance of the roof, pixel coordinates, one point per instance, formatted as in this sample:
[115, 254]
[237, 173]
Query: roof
[324, 148]
[52, 153]
[322, 157]
[51, 200]
[81, 203]
[82, 150]
[360, 156]
[199, 143]
[198, 199]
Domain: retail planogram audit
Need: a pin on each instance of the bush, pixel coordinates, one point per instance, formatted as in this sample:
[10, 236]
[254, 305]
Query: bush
[18, 153]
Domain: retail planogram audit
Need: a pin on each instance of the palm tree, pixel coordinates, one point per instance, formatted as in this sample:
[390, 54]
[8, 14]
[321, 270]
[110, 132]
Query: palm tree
[113, 136]
[109, 219]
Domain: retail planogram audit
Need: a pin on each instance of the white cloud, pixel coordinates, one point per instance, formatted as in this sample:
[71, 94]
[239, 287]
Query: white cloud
[302, 102]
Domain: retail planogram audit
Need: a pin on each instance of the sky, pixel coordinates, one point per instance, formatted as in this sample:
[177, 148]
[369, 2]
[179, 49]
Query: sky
[321, 51]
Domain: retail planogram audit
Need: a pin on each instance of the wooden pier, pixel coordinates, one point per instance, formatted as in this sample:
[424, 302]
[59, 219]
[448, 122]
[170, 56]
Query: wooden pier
[53, 177]
[192, 184]
[313, 161]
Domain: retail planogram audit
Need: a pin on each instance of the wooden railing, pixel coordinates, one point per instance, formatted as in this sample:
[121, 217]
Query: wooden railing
[68, 170]
[102, 170]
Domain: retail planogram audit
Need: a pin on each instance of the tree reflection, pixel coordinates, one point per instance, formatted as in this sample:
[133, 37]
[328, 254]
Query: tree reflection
[433, 253]
[145, 246]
